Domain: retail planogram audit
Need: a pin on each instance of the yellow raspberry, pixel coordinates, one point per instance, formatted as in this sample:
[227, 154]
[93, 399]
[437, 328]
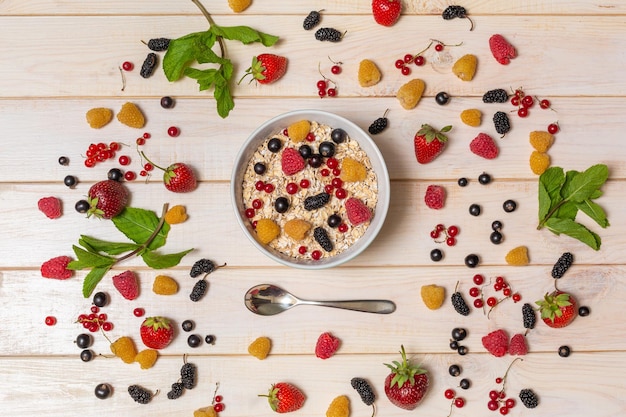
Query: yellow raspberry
[433, 296]
[239, 6]
[260, 347]
[124, 348]
[131, 116]
[296, 228]
[465, 67]
[539, 162]
[352, 170]
[146, 358]
[369, 74]
[298, 131]
[176, 214]
[339, 407]
[164, 285]
[472, 117]
[267, 230]
[410, 93]
[205, 412]
[517, 256]
[541, 140]
[99, 117]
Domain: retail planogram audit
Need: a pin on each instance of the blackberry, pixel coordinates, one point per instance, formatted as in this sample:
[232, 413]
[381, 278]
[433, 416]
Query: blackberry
[149, 64]
[176, 391]
[496, 96]
[379, 124]
[159, 44]
[312, 20]
[188, 375]
[528, 398]
[140, 394]
[451, 12]
[199, 290]
[459, 304]
[321, 236]
[203, 266]
[316, 201]
[364, 389]
[562, 265]
[328, 34]
[501, 122]
[528, 316]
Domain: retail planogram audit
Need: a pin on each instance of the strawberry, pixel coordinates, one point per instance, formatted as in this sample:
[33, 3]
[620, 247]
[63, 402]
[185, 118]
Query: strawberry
[357, 211]
[501, 49]
[156, 332]
[435, 197]
[517, 345]
[284, 397]
[386, 12]
[429, 143]
[56, 268]
[291, 161]
[496, 343]
[126, 283]
[266, 68]
[558, 309]
[326, 345]
[50, 206]
[484, 146]
[407, 384]
[178, 177]
[107, 199]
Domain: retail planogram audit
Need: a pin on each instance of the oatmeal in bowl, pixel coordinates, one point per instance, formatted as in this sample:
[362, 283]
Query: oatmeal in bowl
[310, 189]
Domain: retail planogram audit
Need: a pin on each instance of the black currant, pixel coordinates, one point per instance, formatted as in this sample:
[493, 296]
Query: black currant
[564, 351]
[86, 355]
[509, 206]
[115, 174]
[100, 299]
[84, 340]
[465, 383]
[82, 206]
[436, 255]
[259, 168]
[496, 237]
[194, 341]
[463, 350]
[484, 178]
[474, 210]
[167, 102]
[471, 260]
[70, 180]
[462, 182]
[316, 160]
[305, 151]
[454, 370]
[442, 98]
[210, 339]
[64, 160]
[496, 225]
[274, 145]
[338, 135]
[187, 325]
[583, 311]
[459, 333]
[454, 345]
[103, 391]
[334, 220]
[327, 149]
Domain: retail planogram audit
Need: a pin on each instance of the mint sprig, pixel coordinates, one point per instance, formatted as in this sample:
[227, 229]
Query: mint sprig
[563, 194]
[198, 48]
[147, 232]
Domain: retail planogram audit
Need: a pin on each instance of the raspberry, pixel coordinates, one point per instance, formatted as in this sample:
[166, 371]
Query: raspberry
[435, 197]
[465, 67]
[352, 170]
[164, 285]
[239, 6]
[539, 162]
[297, 228]
[267, 230]
[146, 358]
[56, 268]
[321, 237]
[291, 161]
[517, 345]
[357, 211]
[496, 343]
[188, 375]
[496, 96]
[131, 116]
[298, 131]
[562, 265]
[501, 50]
[528, 398]
[140, 394]
[326, 345]
[312, 20]
[517, 256]
[501, 122]
[126, 283]
[339, 407]
[364, 389]
[472, 117]
[328, 34]
[176, 214]
[410, 93]
[369, 74]
[484, 146]
[199, 290]
[124, 348]
[315, 202]
[433, 296]
[541, 140]
[149, 64]
[529, 317]
[205, 412]
[159, 44]
[260, 347]
[177, 390]
[459, 304]
[99, 117]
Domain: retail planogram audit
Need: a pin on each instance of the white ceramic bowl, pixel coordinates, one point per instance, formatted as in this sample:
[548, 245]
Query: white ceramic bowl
[354, 132]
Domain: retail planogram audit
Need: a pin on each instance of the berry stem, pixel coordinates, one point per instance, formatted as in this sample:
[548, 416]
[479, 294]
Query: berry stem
[208, 17]
[422, 51]
[319, 69]
[143, 155]
[507, 372]
[445, 44]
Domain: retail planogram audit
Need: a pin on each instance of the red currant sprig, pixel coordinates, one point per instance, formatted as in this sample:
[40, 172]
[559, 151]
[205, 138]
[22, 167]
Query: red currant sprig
[418, 59]
[498, 400]
[502, 285]
[100, 152]
[326, 86]
[217, 401]
[336, 68]
[95, 320]
[458, 402]
[450, 234]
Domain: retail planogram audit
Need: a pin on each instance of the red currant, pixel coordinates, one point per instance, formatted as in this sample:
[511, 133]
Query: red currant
[498, 286]
[500, 280]
[250, 213]
[302, 250]
[316, 255]
[146, 135]
[173, 131]
[343, 228]
[341, 193]
[528, 101]
[478, 303]
[453, 231]
[95, 309]
[321, 93]
[434, 234]
[459, 402]
[504, 411]
[114, 146]
[419, 60]
[399, 63]
[148, 166]
[269, 188]
[544, 104]
[50, 321]
[332, 92]
[440, 227]
[324, 172]
[218, 407]
[107, 326]
[439, 47]
[139, 312]
[310, 137]
[517, 297]
[506, 292]
[140, 141]
[478, 279]
[494, 395]
[337, 182]
[492, 405]
[305, 183]
[286, 132]
[335, 69]
[124, 160]
[332, 163]
[449, 393]
[127, 66]
[130, 175]
[259, 185]
[336, 172]
[522, 112]
[321, 85]
[510, 402]
[499, 381]
[90, 162]
[405, 70]
[257, 204]
[328, 189]
[553, 128]
[515, 101]
[218, 399]
[450, 241]
[254, 223]
[492, 301]
[474, 292]
[291, 188]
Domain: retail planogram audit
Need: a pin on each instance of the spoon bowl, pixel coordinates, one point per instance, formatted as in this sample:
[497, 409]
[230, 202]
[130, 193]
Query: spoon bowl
[268, 300]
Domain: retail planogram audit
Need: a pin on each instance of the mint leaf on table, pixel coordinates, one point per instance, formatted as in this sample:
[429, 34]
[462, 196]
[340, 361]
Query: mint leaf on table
[112, 248]
[243, 34]
[92, 279]
[576, 230]
[139, 224]
[158, 261]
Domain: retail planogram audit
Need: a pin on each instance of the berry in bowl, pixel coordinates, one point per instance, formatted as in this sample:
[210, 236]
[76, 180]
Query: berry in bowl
[310, 189]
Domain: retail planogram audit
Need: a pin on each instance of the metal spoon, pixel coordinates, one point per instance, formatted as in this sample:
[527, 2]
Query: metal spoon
[267, 300]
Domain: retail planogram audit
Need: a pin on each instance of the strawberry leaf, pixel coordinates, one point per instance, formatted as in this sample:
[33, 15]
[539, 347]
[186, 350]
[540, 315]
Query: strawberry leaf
[139, 224]
[158, 261]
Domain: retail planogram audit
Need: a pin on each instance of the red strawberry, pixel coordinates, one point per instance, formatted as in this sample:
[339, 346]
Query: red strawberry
[483, 145]
[326, 346]
[435, 197]
[179, 178]
[267, 68]
[496, 343]
[558, 309]
[429, 143]
[50, 206]
[57, 268]
[407, 384]
[386, 12]
[502, 50]
[156, 332]
[107, 199]
[517, 345]
[291, 161]
[126, 283]
[357, 211]
[285, 397]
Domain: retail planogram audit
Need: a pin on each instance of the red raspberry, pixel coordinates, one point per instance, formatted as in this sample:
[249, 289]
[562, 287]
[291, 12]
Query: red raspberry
[484, 146]
[518, 345]
[326, 346]
[357, 211]
[126, 283]
[56, 268]
[292, 162]
[50, 206]
[496, 343]
[501, 49]
[435, 197]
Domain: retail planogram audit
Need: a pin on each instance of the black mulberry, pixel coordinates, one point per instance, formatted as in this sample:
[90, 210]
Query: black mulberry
[501, 122]
[364, 389]
[199, 290]
[328, 34]
[140, 394]
[529, 316]
[188, 375]
[459, 304]
[312, 20]
[203, 266]
[149, 64]
[176, 391]
[451, 12]
[316, 201]
[528, 398]
[321, 236]
[379, 124]
[562, 265]
[496, 96]
[159, 44]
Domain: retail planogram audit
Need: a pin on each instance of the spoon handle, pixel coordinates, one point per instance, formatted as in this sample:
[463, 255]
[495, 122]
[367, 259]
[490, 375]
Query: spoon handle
[367, 306]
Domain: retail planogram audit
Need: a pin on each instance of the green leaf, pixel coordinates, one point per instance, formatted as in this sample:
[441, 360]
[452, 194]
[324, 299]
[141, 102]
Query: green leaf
[205, 78]
[183, 51]
[223, 98]
[90, 259]
[158, 261]
[575, 230]
[544, 201]
[139, 224]
[584, 184]
[552, 180]
[112, 248]
[595, 212]
[243, 34]
[567, 210]
[92, 279]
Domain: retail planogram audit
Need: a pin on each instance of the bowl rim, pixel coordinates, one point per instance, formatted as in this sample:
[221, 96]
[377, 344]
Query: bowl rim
[382, 175]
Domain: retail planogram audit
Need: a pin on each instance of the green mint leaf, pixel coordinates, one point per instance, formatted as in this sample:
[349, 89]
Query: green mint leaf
[89, 259]
[575, 230]
[139, 224]
[552, 179]
[243, 34]
[544, 201]
[222, 96]
[584, 184]
[92, 279]
[112, 248]
[595, 212]
[205, 78]
[596, 194]
[185, 50]
[158, 261]
[567, 210]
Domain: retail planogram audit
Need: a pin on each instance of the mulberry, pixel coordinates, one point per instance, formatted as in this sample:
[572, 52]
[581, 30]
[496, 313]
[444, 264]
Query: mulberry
[562, 265]
[379, 124]
[203, 266]
[188, 375]
[316, 201]
[528, 316]
[451, 12]
[364, 389]
[321, 236]
[496, 96]
[176, 391]
[199, 290]
[459, 304]
[149, 64]
[140, 394]
[159, 44]
[328, 34]
[501, 122]
[312, 20]
[528, 398]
